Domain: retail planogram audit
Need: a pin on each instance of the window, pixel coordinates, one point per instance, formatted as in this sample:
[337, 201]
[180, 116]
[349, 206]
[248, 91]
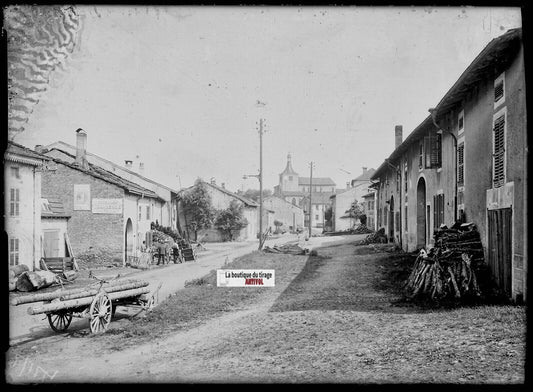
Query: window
[421, 155]
[316, 207]
[316, 217]
[290, 178]
[140, 213]
[461, 164]
[15, 172]
[438, 210]
[14, 201]
[405, 219]
[13, 251]
[432, 151]
[498, 161]
[499, 90]
[294, 201]
[461, 121]
[147, 212]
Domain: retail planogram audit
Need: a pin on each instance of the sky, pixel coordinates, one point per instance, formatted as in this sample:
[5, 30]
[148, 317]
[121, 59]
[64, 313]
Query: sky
[182, 89]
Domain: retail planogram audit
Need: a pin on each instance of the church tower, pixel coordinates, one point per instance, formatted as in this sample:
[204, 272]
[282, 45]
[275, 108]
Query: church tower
[288, 179]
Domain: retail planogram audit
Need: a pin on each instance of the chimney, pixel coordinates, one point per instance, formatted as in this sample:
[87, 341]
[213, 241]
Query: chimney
[223, 185]
[397, 136]
[81, 148]
[141, 167]
[128, 163]
[213, 182]
[365, 170]
[40, 149]
[348, 185]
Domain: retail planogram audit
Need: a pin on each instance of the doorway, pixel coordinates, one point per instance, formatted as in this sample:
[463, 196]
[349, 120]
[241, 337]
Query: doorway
[391, 219]
[128, 241]
[421, 214]
[500, 247]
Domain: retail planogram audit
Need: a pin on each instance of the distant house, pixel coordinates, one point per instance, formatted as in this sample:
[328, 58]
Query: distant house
[167, 216]
[467, 162]
[297, 190]
[22, 204]
[343, 199]
[369, 206]
[108, 214]
[287, 213]
[221, 199]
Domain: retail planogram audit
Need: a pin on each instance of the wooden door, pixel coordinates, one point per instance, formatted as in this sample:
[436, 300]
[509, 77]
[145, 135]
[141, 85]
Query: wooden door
[51, 243]
[500, 247]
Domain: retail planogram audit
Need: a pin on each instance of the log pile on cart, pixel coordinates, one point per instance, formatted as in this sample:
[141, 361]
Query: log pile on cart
[451, 269]
[96, 302]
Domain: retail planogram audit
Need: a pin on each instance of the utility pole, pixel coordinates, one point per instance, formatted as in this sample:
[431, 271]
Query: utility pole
[311, 165]
[260, 178]
[261, 183]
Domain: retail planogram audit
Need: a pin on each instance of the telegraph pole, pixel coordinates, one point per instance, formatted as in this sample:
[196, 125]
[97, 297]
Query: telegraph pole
[260, 183]
[311, 165]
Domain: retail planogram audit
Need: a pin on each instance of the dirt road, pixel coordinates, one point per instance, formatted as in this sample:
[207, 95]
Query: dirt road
[334, 318]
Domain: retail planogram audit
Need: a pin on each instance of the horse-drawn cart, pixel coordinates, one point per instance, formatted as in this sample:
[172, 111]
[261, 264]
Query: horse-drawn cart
[96, 302]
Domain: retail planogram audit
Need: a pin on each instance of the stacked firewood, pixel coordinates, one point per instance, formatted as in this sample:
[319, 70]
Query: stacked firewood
[448, 271]
[287, 249]
[361, 229]
[377, 237]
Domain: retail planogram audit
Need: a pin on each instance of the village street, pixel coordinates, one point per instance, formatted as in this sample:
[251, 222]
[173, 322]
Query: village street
[25, 327]
[334, 317]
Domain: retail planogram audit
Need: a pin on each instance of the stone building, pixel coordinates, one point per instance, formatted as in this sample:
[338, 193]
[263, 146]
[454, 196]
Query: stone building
[467, 161]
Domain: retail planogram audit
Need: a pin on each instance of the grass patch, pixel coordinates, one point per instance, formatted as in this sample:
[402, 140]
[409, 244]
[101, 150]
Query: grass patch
[202, 300]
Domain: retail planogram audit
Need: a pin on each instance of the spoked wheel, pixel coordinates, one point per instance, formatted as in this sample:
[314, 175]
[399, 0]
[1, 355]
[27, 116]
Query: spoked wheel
[60, 321]
[100, 313]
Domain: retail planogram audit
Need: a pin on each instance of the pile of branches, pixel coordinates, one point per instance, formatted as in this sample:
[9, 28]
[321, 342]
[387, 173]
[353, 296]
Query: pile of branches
[448, 271]
[287, 249]
[377, 237]
[361, 229]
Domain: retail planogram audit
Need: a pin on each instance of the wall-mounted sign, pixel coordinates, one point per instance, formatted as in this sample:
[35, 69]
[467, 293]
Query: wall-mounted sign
[82, 197]
[107, 206]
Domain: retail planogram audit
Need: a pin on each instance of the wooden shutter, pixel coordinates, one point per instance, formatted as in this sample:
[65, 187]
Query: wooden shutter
[499, 152]
[498, 91]
[427, 152]
[460, 163]
[435, 150]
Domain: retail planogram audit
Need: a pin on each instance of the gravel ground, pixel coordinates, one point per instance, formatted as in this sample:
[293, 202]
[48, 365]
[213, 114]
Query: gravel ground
[332, 318]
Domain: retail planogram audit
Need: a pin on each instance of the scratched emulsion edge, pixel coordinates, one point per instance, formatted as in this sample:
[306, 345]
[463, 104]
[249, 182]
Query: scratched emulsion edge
[40, 41]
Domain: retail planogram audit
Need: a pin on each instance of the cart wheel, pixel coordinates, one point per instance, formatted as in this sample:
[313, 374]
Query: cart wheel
[100, 313]
[60, 321]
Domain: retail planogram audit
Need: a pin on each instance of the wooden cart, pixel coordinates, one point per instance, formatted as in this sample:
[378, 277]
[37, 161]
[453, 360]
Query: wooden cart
[96, 302]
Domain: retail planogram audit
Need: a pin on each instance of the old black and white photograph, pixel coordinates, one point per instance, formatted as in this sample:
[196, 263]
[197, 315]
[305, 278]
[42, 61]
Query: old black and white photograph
[265, 194]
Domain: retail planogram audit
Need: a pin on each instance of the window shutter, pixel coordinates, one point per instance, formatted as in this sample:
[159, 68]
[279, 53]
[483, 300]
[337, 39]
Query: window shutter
[441, 220]
[460, 163]
[498, 91]
[435, 209]
[436, 150]
[499, 152]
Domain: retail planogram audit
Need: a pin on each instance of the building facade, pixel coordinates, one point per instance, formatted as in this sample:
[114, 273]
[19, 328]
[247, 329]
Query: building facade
[298, 190]
[467, 162]
[287, 213]
[108, 214]
[22, 204]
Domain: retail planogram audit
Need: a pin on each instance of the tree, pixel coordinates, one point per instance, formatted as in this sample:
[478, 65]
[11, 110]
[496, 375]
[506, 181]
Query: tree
[278, 225]
[356, 211]
[254, 194]
[231, 219]
[197, 208]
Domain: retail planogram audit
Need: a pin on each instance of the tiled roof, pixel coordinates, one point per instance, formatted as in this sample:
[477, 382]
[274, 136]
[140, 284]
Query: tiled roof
[316, 181]
[102, 174]
[52, 208]
[245, 200]
[365, 176]
[15, 151]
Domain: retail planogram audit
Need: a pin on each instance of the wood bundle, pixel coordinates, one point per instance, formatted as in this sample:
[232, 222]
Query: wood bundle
[361, 229]
[448, 271]
[288, 249]
[377, 237]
